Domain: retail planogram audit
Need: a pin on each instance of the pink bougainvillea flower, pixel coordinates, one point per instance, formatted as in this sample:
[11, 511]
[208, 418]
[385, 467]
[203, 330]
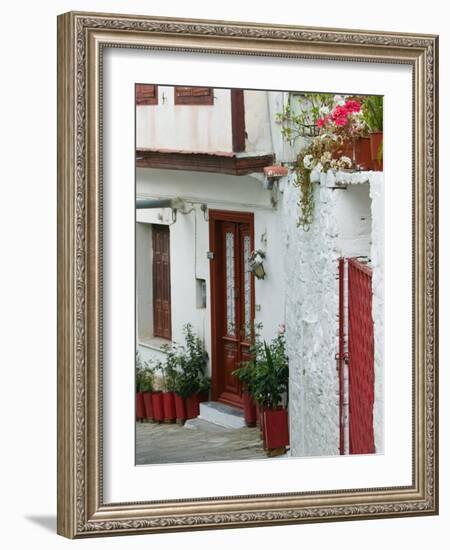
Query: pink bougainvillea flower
[339, 112]
[341, 121]
[353, 106]
[322, 121]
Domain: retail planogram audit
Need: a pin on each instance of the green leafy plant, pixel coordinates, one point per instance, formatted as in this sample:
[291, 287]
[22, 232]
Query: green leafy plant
[301, 113]
[372, 113]
[266, 376]
[145, 376]
[184, 366]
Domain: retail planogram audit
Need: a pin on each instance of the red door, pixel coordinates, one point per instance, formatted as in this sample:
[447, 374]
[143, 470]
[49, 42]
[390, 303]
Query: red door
[232, 300]
[360, 358]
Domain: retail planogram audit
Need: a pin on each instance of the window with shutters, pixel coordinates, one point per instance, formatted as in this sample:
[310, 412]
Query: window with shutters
[162, 318]
[146, 94]
[193, 95]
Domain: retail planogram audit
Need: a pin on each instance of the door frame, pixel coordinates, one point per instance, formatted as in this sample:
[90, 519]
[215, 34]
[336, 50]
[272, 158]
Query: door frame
[216, 216]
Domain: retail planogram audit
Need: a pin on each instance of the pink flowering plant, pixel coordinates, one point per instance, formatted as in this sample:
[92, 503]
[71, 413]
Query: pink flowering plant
[338, 121]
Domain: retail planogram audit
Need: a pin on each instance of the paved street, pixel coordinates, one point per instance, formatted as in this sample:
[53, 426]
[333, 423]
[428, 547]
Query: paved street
[203, 441]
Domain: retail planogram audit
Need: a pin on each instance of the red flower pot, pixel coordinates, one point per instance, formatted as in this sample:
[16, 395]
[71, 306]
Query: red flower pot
[140, 408]
[363, 156]
[193, 406]
[148, 407]
[262, 434]
[180, 409]
[203, 397]
[376, 145]
[347, 149]
[276, 429]
[169, 406]
[249, 409]
[157, 406]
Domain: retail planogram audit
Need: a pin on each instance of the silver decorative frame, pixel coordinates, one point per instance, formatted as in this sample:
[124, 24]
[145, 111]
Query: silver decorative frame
[81, 511]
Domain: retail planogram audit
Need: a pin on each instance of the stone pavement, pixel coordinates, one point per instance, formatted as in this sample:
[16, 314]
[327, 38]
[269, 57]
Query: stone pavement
[199, 441]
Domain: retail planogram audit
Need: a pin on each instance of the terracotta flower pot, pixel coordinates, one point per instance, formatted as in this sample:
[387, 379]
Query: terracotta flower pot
[347, 149]
[148, 406]
[376, 143]
[249, 409]
[363, 156]
[180, 409]
[193, 406]
[169, 406]
[140, 408]
[157, 406]
[276, 430]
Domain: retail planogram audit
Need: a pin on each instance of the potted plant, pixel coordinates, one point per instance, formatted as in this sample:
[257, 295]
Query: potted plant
[195, 381]
[139, 377]
[146, 387]
[184, 379]
[270, 387]
[246, 374]
[372, 113]
[156, 400]
[169, 370]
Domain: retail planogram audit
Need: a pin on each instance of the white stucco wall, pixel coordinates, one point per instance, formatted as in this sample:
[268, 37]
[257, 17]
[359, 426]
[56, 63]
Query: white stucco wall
[346, 223]
[189, 241]
[185, 127]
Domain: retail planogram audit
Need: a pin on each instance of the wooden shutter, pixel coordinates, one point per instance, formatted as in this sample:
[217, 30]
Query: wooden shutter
[146, 94]
[162, 318]
[193, 95]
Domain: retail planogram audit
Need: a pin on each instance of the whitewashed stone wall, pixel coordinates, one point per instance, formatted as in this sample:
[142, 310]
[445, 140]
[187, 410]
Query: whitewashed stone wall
[312, 300]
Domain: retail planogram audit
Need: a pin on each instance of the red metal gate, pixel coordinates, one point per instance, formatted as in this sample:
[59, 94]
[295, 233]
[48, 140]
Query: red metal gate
[360, 358]
[356, 334]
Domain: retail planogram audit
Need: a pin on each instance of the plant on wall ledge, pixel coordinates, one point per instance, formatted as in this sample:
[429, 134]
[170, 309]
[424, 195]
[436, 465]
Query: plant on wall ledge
[333, 129]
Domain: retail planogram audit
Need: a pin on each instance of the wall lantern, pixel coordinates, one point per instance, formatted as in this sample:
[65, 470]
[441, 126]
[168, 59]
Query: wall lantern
[256, 265]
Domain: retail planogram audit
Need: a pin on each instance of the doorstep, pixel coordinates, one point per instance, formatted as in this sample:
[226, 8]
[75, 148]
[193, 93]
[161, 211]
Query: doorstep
[222, 415]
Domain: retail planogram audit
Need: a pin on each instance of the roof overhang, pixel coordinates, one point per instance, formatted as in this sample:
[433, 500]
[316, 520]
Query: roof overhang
[235, 164]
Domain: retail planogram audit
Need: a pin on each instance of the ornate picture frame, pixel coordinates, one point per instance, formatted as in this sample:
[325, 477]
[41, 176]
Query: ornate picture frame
[82, 38]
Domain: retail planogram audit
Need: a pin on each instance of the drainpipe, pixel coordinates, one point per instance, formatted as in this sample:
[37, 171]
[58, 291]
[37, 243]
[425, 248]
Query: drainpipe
[175, 204]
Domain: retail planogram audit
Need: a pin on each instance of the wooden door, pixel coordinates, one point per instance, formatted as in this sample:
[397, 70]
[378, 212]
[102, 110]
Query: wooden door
[232, 288]
[162, 321]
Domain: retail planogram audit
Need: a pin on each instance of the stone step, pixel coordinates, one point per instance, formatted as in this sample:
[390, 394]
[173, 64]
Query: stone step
[204, 426]
[222, 415]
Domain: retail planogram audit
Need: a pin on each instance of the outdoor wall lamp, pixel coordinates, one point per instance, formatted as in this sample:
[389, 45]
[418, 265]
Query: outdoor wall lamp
[256, 265]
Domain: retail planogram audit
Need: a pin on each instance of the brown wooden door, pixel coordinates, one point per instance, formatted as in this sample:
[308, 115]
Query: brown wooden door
[232, 287]
[162, 322]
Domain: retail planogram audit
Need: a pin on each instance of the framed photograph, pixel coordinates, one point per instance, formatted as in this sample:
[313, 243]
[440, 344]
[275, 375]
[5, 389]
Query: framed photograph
[247, 287]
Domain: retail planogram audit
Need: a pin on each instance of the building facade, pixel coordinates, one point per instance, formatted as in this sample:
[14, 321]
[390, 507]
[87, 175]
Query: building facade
[218, 159]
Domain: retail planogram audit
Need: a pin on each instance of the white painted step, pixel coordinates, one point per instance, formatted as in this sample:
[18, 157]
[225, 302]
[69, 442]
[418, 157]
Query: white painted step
[222, 415]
